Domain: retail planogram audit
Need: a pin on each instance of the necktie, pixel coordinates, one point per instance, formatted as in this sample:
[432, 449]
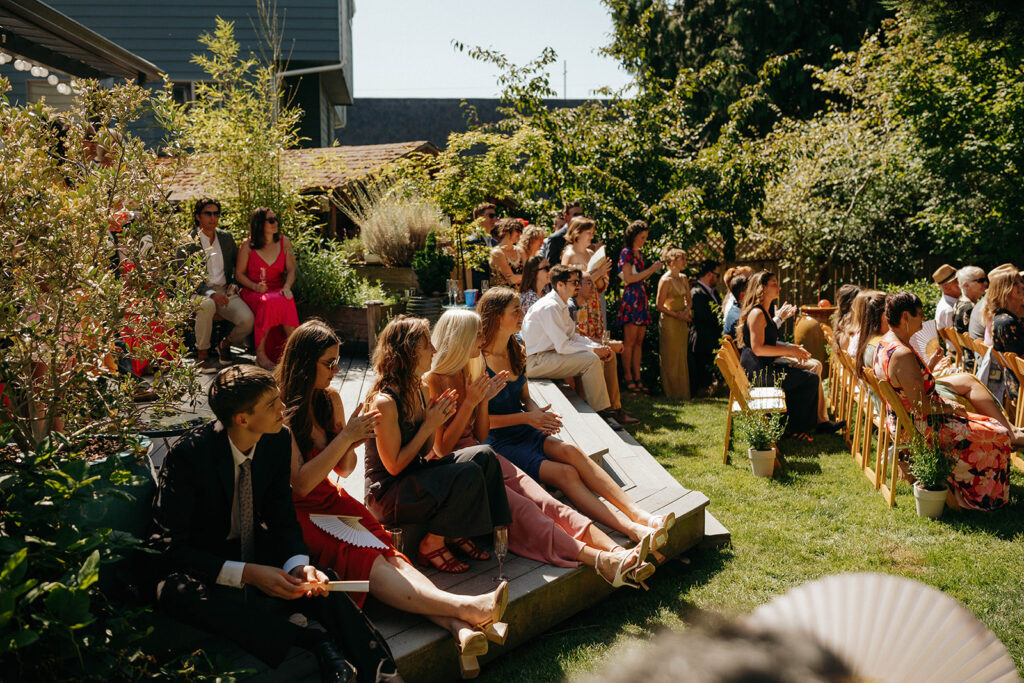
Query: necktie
[245, 520]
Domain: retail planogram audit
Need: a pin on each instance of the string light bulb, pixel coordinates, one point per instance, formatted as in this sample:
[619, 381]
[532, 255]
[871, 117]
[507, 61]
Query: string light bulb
[5, 58]
[21, 65]
[64, 88]
[52, 79]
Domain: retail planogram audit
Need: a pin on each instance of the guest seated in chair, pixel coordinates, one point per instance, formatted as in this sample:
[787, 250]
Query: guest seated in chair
[979, 444]
[521, 430]
[764, 359]
[266, 268]
[456, 495]
[535, 281]
[223, 520]
[542, 528]
[323, 442]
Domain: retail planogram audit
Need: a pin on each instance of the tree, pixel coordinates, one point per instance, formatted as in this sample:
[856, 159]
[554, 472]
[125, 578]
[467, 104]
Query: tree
[999, 20]
[732, 39]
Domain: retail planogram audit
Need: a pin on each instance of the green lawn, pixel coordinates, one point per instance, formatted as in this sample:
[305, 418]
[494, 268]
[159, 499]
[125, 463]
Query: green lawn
[821, 518]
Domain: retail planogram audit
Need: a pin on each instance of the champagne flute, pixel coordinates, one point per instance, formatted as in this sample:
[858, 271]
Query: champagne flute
[606, 337]
[396, 537]
[500, 550]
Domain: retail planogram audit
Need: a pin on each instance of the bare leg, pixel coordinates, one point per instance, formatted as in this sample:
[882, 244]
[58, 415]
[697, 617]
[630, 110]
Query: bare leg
[971, 388]
[629, 349]
[638, 346]
[397, 583]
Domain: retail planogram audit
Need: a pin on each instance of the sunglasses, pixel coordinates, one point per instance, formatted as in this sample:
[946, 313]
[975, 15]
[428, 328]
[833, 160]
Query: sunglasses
[982, 280]
[489, 215]
[211, 213]
[544, 268]
[271, 220]
[575, 283]
[331, 365]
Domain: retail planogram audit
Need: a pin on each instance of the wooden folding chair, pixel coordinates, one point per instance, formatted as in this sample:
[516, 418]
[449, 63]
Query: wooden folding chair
[877, 420]
[1015, 364]
[952, 339]
[857, 414]
[742, 398]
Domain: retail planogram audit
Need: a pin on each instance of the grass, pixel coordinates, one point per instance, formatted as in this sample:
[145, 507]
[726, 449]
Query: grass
[823, 517]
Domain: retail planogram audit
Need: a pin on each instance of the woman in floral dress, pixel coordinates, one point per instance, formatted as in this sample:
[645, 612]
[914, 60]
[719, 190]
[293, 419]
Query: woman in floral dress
[979, 444]
[634, 313]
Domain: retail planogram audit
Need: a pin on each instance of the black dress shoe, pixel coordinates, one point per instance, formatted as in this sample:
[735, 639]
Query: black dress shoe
[830, 426]
[333, 667]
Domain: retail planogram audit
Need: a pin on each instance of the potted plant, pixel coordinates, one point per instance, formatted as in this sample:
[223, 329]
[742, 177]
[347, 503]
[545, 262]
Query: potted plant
[432, 266]
[761, 431]
[931, 468]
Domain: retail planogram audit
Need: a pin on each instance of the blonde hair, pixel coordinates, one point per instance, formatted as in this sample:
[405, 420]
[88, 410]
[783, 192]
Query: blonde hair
[1000, 284]
[576, 226]
[454, 339]
[670, 254]
[531, 233]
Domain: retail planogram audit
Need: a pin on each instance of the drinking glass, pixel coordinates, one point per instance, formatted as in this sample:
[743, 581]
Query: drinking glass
[500, 550]
[606, 337]
[454, 289]
[396, 537]
[484, 286]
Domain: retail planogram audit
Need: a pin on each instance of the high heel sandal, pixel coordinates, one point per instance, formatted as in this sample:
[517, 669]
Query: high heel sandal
[473, 645]
[494, 628]
[468, 548]
[659, 530]
[628, 565]
[443, 564]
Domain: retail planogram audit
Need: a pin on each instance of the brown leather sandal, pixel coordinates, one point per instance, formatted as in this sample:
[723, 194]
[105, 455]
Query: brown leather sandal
[441, 560]
[466, 546]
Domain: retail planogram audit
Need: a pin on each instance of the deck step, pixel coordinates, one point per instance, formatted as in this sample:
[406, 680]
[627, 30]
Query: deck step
[715, 533]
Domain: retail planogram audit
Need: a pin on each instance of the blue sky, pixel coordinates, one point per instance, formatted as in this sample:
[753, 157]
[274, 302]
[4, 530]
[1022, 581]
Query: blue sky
[403, 48]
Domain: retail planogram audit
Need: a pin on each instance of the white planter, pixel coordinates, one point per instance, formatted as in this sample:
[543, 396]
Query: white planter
[929, 503]
[762, 462]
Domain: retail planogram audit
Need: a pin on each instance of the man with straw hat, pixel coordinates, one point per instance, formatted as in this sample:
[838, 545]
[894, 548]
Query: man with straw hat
[945, 278]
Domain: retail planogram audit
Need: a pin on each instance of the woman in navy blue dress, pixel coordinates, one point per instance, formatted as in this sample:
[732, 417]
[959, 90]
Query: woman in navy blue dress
[634, 313]
[521, 431]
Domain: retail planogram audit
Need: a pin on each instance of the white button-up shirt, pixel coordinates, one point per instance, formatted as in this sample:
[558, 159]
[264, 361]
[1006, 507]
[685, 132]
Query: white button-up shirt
[548, 327]
[215, 276]
[944, 311]
[231, 572]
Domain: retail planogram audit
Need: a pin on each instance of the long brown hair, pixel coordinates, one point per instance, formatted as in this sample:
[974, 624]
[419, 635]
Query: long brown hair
[1001, 281]
[256, 223]
[491, 307]
[751, 300]
[296, 377]
[394, 361]
[530, 272]
[870, 305]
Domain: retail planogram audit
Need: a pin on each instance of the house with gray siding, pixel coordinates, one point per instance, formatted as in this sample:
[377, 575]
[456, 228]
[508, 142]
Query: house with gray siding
[316, 41]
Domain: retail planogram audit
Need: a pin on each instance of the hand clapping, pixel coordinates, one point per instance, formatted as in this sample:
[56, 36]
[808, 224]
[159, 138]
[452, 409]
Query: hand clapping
[441, 409]
[360, 427]
[543, 420]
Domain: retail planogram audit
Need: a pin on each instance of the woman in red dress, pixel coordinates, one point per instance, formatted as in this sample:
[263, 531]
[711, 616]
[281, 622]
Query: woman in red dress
[266, 270]
[323, 444]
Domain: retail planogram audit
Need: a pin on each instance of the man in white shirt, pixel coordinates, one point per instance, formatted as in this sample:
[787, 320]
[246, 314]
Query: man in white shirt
[223, 519]
[220, 290]
[945, 278]
[555, 350]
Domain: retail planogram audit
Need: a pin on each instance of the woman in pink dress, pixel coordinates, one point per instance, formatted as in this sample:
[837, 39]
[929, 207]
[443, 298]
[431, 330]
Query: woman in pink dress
[266, 270]
[323, 442]
[542, 528]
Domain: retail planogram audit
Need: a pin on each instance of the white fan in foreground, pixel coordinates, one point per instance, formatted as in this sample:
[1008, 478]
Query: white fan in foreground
[349, 529]
[889, 628]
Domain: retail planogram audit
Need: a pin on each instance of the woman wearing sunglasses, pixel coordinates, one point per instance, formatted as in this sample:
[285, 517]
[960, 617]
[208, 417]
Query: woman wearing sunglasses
[266, 270]
[535, 279]
[324, 442]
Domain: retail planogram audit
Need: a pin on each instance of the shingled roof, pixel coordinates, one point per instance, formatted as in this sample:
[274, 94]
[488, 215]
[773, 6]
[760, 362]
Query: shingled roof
[313, 169]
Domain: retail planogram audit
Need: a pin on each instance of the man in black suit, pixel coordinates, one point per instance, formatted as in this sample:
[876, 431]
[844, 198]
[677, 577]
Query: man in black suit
[219, 291]
[706, 328]
[224, 521]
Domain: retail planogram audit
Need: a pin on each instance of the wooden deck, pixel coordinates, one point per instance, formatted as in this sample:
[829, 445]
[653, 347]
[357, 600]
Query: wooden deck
[541, 595]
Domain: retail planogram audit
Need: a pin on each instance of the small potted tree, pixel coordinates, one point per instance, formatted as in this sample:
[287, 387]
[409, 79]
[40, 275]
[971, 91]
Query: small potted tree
[761, 431]
[432, 266]
[931, 468]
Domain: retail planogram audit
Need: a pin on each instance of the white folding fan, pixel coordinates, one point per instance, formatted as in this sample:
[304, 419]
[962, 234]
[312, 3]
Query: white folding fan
[889, 628]
[349, 529]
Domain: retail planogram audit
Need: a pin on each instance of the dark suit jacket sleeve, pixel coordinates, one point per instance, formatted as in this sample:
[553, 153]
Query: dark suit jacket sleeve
[703, 315]
[278, 509]
[229, 251]
[177, 514]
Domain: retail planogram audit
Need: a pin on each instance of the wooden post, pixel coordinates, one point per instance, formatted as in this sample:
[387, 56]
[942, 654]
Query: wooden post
[374, 312]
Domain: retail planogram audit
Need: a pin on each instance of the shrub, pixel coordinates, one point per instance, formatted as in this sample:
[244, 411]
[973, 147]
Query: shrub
[432, 266]
[393, 219]
[323, 278]
[925, 290]
[929, 463]
[351, 249]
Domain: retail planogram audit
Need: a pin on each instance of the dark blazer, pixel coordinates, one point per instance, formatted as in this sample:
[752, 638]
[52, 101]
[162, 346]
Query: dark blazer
[192, 508]
[706, 328]
[228, 249]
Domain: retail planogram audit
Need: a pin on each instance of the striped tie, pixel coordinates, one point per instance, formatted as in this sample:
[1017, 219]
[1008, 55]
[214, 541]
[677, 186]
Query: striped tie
[245, 520]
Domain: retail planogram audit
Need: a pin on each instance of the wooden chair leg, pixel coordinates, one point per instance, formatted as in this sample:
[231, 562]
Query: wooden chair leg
[728, 431]
[951, 502]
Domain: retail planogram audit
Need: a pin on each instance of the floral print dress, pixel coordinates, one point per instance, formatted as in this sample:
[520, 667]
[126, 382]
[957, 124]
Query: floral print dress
[634, 308]
[981, 446]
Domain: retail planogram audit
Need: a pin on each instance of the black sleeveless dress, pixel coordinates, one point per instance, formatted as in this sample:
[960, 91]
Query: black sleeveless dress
[460, 494]
[799, 385]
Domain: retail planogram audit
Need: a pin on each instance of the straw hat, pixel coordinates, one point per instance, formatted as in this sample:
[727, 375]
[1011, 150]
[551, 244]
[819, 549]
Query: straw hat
[944, 274]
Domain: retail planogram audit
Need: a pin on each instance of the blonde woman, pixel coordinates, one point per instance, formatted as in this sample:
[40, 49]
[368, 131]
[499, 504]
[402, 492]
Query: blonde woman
[542, 528]
[676, 307]
[506, 259]
[531, 241]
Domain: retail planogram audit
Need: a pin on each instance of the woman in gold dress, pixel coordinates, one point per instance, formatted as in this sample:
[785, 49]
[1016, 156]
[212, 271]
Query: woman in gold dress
[676, 308]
